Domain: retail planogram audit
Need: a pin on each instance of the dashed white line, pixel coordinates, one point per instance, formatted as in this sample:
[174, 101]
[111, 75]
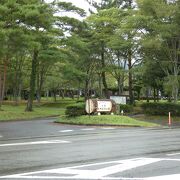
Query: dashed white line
[1, 136]
[67, 130]
[173, 154]
[34, 143]
[108, 128]
[88, 129]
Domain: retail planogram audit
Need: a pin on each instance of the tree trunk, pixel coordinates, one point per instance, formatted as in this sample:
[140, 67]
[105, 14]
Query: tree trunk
[147, 94]
[40, 81]
[86, 93]
[32, 82]
[78, 92]
[38, 84]
[100, 85]
[175, 87]
[103, 72]
[0, 90]
[120, 85]
[139, 95]
[62, 92]
[4, 80]
[157, 95]
[54, 95]
[154, 94]
[131, 97]
[3, 73]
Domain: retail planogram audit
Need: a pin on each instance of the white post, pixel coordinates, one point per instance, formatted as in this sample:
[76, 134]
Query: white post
[122, 112]
[169, 122]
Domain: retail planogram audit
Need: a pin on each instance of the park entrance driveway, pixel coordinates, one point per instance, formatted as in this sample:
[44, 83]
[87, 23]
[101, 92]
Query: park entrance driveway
[45, 150]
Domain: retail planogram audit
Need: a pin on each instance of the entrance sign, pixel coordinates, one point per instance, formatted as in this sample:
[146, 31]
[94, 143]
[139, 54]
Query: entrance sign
[100, 105]
[119, 99]
[104, 106]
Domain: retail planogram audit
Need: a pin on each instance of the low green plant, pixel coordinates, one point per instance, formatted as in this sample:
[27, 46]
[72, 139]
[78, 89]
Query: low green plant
[77, 109]
[161, 108]
[126, 108]
[105, 120]
[10, 112]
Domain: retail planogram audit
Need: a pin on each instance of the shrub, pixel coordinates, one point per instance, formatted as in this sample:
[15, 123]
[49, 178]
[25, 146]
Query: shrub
[75, 110]
[126, 108]
[161, 108]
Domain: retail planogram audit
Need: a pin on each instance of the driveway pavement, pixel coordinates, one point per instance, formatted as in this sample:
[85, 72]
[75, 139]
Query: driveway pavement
[45, 150]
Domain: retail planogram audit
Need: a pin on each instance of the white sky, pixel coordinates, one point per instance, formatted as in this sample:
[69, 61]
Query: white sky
[82, 3]
[79, 3]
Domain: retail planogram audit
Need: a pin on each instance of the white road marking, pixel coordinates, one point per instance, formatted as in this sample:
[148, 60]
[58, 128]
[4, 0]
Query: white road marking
[108, 128]
[67, 177]
[88, 129]
[173, 154]
[67, 130]
[35, 143]
[1, 136]
[166, 177]
[123, 166]
[76, 173]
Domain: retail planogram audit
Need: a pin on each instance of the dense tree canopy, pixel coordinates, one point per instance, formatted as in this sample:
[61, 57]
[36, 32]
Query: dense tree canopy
[124, 48]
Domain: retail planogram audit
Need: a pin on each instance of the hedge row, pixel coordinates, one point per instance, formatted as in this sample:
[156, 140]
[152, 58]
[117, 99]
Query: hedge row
[78, 109]
[126, 108]
[161, 108]
[75, 110]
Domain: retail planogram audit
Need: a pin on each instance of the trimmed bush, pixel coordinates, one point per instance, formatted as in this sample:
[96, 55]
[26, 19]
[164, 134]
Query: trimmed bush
[75, 110]
[126, 108]
[161, 108]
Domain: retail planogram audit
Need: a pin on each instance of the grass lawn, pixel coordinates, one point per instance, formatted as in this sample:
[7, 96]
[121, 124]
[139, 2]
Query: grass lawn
[10, 112]
[163, 120]
[105, 120]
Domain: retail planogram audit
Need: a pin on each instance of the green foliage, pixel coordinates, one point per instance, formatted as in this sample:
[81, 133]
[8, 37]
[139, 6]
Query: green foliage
[101, 51]
[126, 108]
[10, 112]
[105, 120]
[71, 8]
[75, 110]
[160, 39]
[60, 104]
[161, 108]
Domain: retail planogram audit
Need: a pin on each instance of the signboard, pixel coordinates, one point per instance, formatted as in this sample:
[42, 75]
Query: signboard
[104, 106]
[119, 99]
[100, 105]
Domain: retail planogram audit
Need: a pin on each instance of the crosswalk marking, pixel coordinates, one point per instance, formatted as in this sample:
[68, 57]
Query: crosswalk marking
[83, 171]
[165, 177]
[95, 173]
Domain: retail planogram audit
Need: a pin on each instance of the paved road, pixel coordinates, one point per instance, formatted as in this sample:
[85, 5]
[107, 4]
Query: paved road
[45, 150]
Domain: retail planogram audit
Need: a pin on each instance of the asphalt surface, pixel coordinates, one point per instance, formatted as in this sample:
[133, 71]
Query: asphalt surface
[41, 149]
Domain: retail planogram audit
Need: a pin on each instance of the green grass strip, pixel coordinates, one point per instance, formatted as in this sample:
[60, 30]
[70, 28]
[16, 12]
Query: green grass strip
[18, 112]
[105, 120]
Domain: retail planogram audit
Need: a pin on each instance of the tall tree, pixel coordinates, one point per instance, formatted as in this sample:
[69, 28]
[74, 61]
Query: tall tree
[103, 24]
[161, 39]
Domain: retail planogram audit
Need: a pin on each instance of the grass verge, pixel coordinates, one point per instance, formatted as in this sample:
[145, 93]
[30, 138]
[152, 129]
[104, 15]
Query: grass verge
[163, 120]
[105, 120]
[18, 112]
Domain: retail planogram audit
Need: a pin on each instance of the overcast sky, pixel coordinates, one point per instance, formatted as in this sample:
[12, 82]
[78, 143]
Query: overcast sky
[79, 3]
